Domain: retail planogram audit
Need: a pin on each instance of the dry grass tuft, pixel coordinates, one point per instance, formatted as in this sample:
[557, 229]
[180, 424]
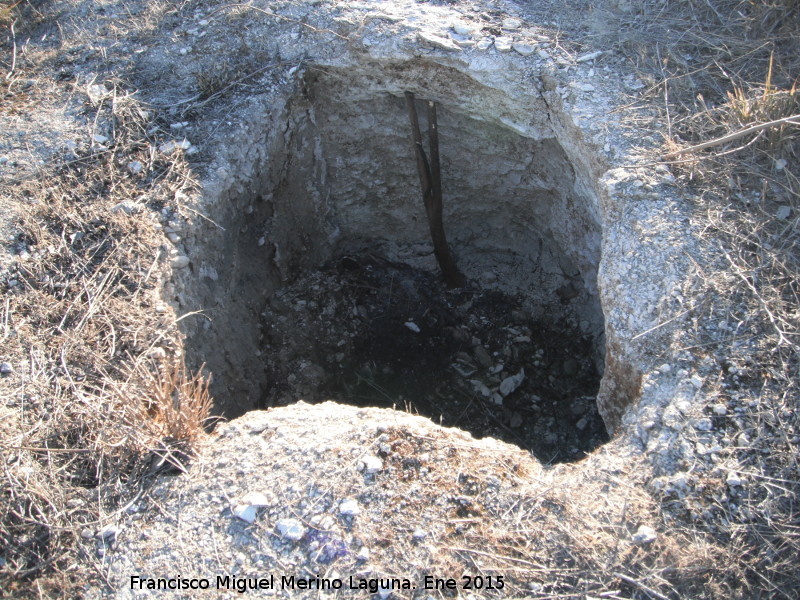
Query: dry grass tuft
[98, 398]
[718, 68]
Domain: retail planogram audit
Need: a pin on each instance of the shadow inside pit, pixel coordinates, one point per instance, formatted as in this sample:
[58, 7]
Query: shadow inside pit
[370, 332]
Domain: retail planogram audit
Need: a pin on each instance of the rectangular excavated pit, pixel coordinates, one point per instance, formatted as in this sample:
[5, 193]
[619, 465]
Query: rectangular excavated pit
[336, 185]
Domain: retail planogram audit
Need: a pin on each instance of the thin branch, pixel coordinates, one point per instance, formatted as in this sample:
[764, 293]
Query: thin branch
[14, 50]
[647, 590]
[793, 120]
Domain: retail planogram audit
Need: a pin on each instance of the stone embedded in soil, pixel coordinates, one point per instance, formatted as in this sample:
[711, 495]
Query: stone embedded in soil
[703, 424]
[419, 534]
[245, 512]
[290, 529]
[481, 388]
[589, 57]
[644, 535]
[349, 508]
[734, 480]
[255, 499]
[524, 49]
[503, 44]
[412, 326]
[372, 464]
[509, 384]
[180, 262]
[464, 28]
[435, 41]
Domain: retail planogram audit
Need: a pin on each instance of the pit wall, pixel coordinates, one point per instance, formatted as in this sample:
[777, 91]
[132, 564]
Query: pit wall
[325, 162]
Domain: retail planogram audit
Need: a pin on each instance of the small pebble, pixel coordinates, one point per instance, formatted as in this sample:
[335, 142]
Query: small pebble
[503, 44]
[703, 424]
[255, 498]
[734, 480]
[524, 49]
[435, 41]
[412, 326]
[372, 464]
[179, 262]
[509, 384]
[644, 535]
[481, 388]
[135, 167]
[290, 529]
[245, 512]
[6, 369]
[588, 57]
[349, 508]
[463, 28]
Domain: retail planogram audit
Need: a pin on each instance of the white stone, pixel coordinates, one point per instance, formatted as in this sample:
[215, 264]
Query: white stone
[734, 480]
[99, 139]
[503, 44]
[524, 49]
[135, 167]
[588, 57]
[180, 262]
[484, 44]
[412, 326]
[349, 508]
[290, 529]
[384, 591]
[245, 512]
[509, 384]
[664, 369]
[127, 206]
[720, 409]
[435, 41]
[783, 212]
[97, 92]
[464, 28]
[697, 381]
[255, 499]
[372, 464]
[363, 554]
[644, 535]
[480, 388]
[703, 424]
[511, 23]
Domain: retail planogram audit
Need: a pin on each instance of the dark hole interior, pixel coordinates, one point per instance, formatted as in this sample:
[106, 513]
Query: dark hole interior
[321, 284]
[370, 332]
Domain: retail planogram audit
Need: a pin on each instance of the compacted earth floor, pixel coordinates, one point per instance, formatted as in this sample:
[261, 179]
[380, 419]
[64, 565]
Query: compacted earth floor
[372, 332]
